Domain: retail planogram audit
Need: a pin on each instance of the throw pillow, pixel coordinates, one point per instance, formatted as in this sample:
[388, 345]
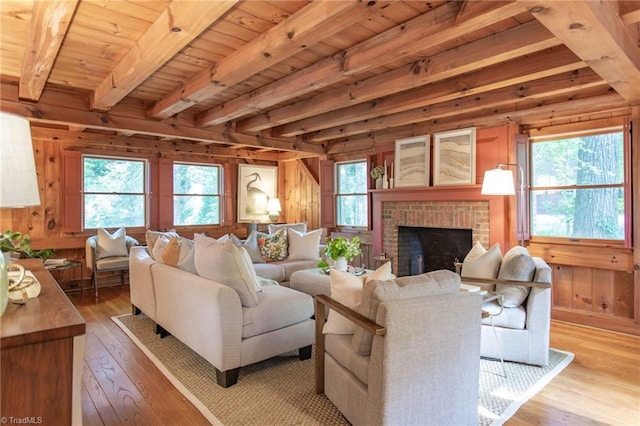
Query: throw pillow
[251, 245]
[152, 236]
[226, 264]
[167, 250]
[304, 246]
[346, 288]
[273, 247]
[376, 292]
[187, 261]
[480, 263]
[517, 265]
[300, 227]
[111, 245]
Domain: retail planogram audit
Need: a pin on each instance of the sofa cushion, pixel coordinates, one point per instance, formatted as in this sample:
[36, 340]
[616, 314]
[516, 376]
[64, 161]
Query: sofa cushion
[481, 263]
[346, 288]
[227, 264]
[300, 227]
[111, 245]
[272, 271]
[251, 245]
[291, 266]
[278, 307]
[273, 247]
[509, 317]
[376, 292]
[517, 265]
[304, 246]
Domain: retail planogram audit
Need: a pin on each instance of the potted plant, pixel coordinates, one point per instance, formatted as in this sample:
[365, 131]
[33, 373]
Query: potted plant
[14, 242]
[341, 250]
[377, 173]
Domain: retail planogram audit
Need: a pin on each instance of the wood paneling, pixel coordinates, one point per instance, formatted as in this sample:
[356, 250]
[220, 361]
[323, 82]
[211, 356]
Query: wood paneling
[299, 193]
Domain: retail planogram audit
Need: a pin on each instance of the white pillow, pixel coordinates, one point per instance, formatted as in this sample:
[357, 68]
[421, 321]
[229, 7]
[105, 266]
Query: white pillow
[187, 260]
[251, 245]
[346, 288]
[304, 246]
[481, 263]
[111, 245]
[300, 227]
[226, 264]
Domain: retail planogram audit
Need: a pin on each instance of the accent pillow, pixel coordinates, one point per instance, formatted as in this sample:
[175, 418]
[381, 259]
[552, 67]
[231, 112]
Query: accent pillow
[517, 265]
[481, 263]
[111, 245]
[304, 246]
[226, 264]
[152, 236]
[187, 261]
[273, 247]
[346, 288]
[300, 227]
[376, 292]
[251, 245]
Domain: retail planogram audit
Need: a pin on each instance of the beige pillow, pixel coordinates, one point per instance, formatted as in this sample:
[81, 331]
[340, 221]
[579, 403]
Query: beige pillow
[152, 236]
[227, 264]
[251, 245]
[346, 288]
[111, 245]
[517, 265]
[186, 261]
[304, 246]
[167, 250]
[481, 263]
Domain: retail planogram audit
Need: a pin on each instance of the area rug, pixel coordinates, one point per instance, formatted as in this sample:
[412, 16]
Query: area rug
[280, 391]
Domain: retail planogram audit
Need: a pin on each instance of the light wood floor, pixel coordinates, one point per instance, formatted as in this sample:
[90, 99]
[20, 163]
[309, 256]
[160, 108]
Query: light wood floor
[120, 385]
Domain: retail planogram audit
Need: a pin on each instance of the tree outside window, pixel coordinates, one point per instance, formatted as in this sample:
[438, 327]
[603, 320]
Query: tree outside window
[196, 194]
[114, 192]
[577, 189]
[351, 196]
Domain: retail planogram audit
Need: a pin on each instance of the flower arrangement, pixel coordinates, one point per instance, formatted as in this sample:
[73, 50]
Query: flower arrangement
[377, 172]
[342, 247]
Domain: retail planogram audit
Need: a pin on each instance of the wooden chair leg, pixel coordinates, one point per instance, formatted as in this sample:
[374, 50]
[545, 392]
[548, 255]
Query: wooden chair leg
[319, 348]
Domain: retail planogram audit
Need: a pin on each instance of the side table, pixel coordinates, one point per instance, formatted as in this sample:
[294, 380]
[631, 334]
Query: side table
[490, 297]
[69, 264]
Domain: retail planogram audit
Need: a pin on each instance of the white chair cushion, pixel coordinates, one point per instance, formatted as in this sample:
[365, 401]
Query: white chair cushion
[111, 245]
[509, 317]
[112, 263]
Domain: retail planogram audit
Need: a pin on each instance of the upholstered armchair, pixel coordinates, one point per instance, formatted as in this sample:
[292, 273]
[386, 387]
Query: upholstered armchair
[107, 259]
[413, 357]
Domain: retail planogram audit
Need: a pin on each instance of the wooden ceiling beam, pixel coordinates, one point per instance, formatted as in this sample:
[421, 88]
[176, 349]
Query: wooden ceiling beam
[538, 65]
[50, 21]
[516, 42]
[313, 23]
[409, 38]
[594, 31]
[534, 89]
[57, 108]
[174, 29]
[148, 145]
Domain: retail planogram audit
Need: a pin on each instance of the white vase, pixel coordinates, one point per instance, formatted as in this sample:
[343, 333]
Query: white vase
[341, 264]
[379, 183]
[4, 282]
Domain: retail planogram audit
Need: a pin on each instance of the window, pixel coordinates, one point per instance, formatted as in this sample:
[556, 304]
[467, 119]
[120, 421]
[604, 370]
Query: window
[114, 192]
[351, 194]
[196, 194]
[577, 186]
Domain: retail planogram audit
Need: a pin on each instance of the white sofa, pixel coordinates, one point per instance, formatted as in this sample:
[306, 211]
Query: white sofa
[209, 317]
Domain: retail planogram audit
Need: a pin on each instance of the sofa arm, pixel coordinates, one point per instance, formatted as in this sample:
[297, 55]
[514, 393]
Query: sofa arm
[350, 314]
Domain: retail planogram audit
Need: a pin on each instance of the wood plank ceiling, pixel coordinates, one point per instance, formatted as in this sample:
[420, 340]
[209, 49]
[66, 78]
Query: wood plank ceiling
[279, 80]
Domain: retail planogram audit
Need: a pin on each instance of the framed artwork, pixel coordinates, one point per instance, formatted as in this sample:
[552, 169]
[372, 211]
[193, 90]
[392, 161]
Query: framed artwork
[412, 161]
[454, 157]
[256, 185]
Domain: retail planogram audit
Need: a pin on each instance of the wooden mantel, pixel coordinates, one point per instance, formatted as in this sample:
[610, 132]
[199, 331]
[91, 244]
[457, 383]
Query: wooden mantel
[498, 207]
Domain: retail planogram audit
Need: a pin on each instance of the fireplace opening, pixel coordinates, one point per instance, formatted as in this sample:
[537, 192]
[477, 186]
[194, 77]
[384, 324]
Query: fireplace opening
[425, 249]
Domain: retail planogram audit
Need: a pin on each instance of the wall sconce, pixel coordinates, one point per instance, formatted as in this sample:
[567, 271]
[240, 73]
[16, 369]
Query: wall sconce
[501, 182]
[18, 176]
[274, 209]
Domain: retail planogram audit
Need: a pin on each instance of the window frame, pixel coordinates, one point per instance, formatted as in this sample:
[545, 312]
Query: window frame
[219, 194]
[624, 129]
[145, 193]
[337, 194]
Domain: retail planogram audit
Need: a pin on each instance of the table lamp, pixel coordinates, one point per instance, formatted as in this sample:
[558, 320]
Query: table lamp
[274, 209]
[18, 179]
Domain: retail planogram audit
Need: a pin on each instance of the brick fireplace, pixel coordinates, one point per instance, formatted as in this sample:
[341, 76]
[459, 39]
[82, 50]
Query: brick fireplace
[439, 207]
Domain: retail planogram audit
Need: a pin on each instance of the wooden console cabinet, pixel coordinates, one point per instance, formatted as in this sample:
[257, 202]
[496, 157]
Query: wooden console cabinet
[41, 356]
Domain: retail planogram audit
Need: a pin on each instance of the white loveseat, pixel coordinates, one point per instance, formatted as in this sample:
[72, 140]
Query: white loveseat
[214, 320]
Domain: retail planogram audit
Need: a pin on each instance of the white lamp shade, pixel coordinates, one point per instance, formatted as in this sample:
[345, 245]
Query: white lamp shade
[273, 205]
[498, 182]
[18, 179]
